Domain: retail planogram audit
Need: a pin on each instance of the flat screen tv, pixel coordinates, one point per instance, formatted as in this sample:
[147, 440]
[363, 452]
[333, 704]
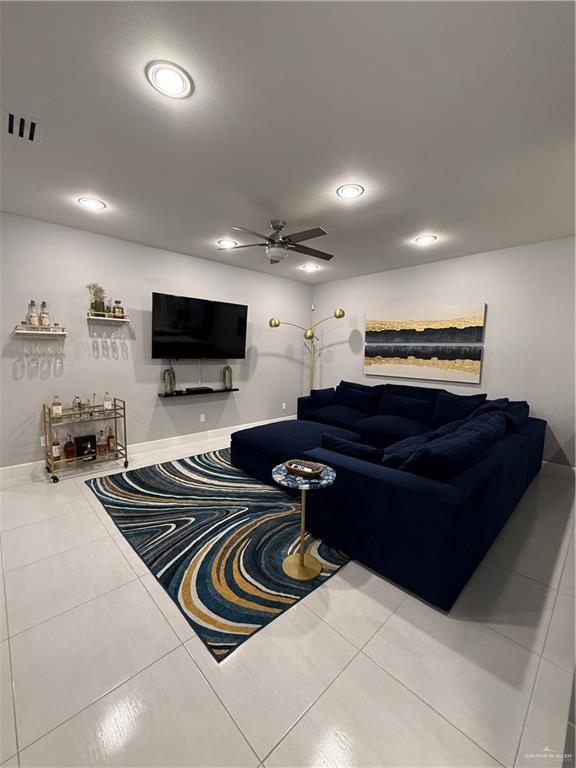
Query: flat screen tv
[197, 329]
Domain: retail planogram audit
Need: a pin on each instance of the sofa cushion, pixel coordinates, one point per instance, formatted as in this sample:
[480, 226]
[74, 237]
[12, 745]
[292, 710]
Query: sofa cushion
[449, 407]
[339, 415]
[517, 413]
[350, 448]
[322, 396]
[489, 406]
[381, 431]
[397, 453]
[445, 457]
[409, 407]
[420, 393]
[353, 397]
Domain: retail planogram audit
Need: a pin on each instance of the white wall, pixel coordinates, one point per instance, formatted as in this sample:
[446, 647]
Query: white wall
[47, 261]
[529, 339]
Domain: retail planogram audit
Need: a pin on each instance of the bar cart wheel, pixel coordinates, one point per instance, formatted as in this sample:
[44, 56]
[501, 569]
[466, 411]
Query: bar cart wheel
[54, 479]
[126, 464]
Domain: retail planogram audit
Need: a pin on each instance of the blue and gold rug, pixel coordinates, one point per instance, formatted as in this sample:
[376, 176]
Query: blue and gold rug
[215, 539]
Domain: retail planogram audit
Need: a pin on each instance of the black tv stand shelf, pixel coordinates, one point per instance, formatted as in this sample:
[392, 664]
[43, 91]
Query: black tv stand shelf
[198, 392]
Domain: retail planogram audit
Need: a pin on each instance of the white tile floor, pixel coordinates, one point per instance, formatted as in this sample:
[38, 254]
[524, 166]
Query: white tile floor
[99, 668]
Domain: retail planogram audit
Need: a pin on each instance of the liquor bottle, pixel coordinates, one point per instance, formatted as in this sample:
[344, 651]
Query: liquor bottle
[77, 405]
[55, 448]
[117, 309]
[44, 315]
[56, 408]
[70, 448]
[101, 443]
[32, 317]
[111, 440]
[107, 402]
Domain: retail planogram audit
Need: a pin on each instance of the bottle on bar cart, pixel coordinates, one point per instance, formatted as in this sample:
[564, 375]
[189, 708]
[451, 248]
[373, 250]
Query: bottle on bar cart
[111, 440]
[107, 402]
[56, 448]
[101, 444]
[56, 408]
[70, 448]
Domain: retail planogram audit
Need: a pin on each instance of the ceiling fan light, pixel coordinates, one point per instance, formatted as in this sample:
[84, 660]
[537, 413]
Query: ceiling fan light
[276, 251]
[227, 243]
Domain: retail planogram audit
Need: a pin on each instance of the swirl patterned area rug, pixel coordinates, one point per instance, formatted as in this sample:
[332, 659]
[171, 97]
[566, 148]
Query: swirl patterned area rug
[215, 539]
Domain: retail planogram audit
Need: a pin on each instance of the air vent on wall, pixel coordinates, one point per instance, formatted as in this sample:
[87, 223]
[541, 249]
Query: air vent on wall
[21, 126]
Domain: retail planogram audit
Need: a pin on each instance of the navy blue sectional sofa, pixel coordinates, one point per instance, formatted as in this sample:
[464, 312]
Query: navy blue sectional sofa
[425, 479]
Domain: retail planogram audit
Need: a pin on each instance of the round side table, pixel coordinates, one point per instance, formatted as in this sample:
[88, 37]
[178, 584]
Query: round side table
[301, 565]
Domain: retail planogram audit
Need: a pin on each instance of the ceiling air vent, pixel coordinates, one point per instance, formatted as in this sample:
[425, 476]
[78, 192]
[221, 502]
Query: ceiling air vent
[21, 126]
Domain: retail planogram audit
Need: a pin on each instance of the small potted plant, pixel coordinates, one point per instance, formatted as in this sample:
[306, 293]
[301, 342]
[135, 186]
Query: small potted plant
[98, 299]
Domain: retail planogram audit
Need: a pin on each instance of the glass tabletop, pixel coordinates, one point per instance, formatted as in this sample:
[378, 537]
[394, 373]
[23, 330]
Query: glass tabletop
[281, 475]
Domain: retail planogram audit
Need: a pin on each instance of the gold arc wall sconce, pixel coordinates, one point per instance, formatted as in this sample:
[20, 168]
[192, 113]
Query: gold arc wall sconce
[309, 335]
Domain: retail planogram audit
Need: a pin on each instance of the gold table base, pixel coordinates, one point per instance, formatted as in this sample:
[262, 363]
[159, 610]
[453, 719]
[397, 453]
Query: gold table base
[301, 565]
[303, 571]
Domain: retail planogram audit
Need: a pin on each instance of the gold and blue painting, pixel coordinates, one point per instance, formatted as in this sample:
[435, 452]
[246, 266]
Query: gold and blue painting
[440, 344]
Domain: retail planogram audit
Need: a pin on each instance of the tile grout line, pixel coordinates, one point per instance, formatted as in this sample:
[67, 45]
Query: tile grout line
[531, 697]
[9, 646]
[47, 519]
[215, 692]
[437, 712]
[56, 554]
[73, 607]
[99, 698]
[355, 656]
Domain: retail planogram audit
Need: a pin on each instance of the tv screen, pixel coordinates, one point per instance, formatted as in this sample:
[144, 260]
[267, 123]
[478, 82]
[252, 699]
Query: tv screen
[184, 328]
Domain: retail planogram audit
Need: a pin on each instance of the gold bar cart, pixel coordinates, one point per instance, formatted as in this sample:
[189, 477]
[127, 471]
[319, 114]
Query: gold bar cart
[88, 415]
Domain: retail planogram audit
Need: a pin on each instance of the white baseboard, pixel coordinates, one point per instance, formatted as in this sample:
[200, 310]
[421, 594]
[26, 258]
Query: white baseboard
[33, 470]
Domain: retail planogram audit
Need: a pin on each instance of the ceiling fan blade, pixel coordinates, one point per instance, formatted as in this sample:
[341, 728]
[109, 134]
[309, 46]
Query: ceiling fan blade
[251, 231]
[250, 245]
[306, 234]
[311, 252]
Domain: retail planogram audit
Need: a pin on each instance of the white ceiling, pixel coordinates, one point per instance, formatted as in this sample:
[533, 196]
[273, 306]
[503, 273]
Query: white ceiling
[457, 118]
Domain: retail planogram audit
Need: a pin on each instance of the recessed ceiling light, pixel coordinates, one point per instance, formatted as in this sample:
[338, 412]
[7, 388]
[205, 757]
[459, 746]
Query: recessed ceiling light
[92, 203]
[349, 191]
[227, 243]
[170, 79]
[310, 267]
[425, 239]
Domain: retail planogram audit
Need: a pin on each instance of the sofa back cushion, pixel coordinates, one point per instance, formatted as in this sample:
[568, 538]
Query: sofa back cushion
[322, 396]
[420, 393]
[449, 407]
[447, 456]
[409, 407]
[350, 448]
[355, 397]
[517, 413]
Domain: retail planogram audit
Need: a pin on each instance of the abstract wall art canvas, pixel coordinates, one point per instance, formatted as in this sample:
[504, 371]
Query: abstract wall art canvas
[441, 343]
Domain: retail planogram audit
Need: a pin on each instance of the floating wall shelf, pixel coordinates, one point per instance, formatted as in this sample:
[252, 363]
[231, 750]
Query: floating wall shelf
[200, 392]
[106, 318]
[49, 333]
